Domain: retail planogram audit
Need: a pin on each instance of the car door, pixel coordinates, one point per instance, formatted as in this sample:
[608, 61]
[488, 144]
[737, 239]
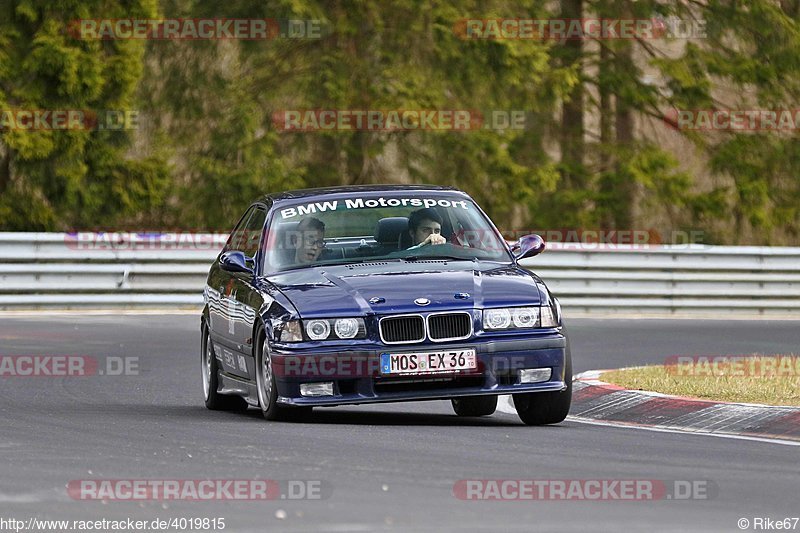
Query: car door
[221, 306]
[244, 296]
[240, 300]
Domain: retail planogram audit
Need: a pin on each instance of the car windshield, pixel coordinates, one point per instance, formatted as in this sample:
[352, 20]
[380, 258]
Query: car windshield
[400, 227]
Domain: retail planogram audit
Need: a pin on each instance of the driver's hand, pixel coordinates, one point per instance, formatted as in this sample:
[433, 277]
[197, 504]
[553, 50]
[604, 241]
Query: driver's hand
[434, 238]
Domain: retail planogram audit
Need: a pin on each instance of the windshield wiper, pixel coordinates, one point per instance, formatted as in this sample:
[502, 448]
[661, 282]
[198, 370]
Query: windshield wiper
[354, 260]
[413, 258]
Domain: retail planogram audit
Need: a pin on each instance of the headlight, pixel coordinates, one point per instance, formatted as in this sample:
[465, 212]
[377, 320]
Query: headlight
[346, 328]
[525, 317]
[520, 318]
[318, 330]
[496, 319]
[291, 332]
[549, 319]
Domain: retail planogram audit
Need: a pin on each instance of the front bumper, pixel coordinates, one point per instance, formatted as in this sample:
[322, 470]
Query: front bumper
[356, 377]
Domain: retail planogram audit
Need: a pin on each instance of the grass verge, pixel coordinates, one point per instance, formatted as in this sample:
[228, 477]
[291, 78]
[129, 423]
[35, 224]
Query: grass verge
[771, 380]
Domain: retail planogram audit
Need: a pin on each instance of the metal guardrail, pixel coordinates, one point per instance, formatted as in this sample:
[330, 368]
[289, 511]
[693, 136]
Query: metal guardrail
[708, 280]
[62, 270]
[57, 270]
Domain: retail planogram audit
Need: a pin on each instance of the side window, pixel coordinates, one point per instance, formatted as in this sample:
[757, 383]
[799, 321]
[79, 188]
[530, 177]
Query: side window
[235, 241]
[253, 230]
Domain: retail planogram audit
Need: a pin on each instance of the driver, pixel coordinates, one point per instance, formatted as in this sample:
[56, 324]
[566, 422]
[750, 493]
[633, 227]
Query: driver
[425, 227]
[310, 240]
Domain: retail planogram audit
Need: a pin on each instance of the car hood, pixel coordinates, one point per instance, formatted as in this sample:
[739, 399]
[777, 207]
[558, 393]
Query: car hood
[392, 287]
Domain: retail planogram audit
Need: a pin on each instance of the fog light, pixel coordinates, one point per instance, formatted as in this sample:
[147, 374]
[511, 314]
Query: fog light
[317, 389]
[535, 375]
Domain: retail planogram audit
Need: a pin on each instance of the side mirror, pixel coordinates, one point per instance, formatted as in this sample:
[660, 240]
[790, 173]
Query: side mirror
[235, 261]
[528, 246]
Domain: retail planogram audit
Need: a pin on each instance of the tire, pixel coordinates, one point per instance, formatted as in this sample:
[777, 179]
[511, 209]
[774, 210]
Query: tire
[268, 390]
[213, 399]
[541, 408]
[474, 405]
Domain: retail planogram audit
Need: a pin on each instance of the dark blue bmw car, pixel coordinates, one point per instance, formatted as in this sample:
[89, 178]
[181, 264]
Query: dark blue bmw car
[354, 295]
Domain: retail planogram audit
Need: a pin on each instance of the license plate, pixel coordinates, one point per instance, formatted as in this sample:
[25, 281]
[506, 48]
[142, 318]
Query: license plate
[428, 362]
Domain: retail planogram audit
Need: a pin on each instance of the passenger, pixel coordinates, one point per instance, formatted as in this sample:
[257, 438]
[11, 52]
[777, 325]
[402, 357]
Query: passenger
[425, 227]
[310, 240]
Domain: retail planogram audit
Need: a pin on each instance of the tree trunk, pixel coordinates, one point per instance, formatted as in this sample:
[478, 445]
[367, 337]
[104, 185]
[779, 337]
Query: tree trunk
[606, 160]
[625, 186]
[624, 129]
[5, 169]
[571, 138]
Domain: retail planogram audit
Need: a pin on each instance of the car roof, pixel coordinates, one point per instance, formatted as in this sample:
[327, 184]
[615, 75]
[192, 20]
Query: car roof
[343, 189]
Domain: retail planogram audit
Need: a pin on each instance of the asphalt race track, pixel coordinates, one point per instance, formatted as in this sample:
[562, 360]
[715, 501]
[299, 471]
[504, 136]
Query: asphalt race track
[384, 467]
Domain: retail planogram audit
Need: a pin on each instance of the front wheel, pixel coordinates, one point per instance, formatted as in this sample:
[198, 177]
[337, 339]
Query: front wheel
[268, 390]
[474, 405]
[541, 408]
